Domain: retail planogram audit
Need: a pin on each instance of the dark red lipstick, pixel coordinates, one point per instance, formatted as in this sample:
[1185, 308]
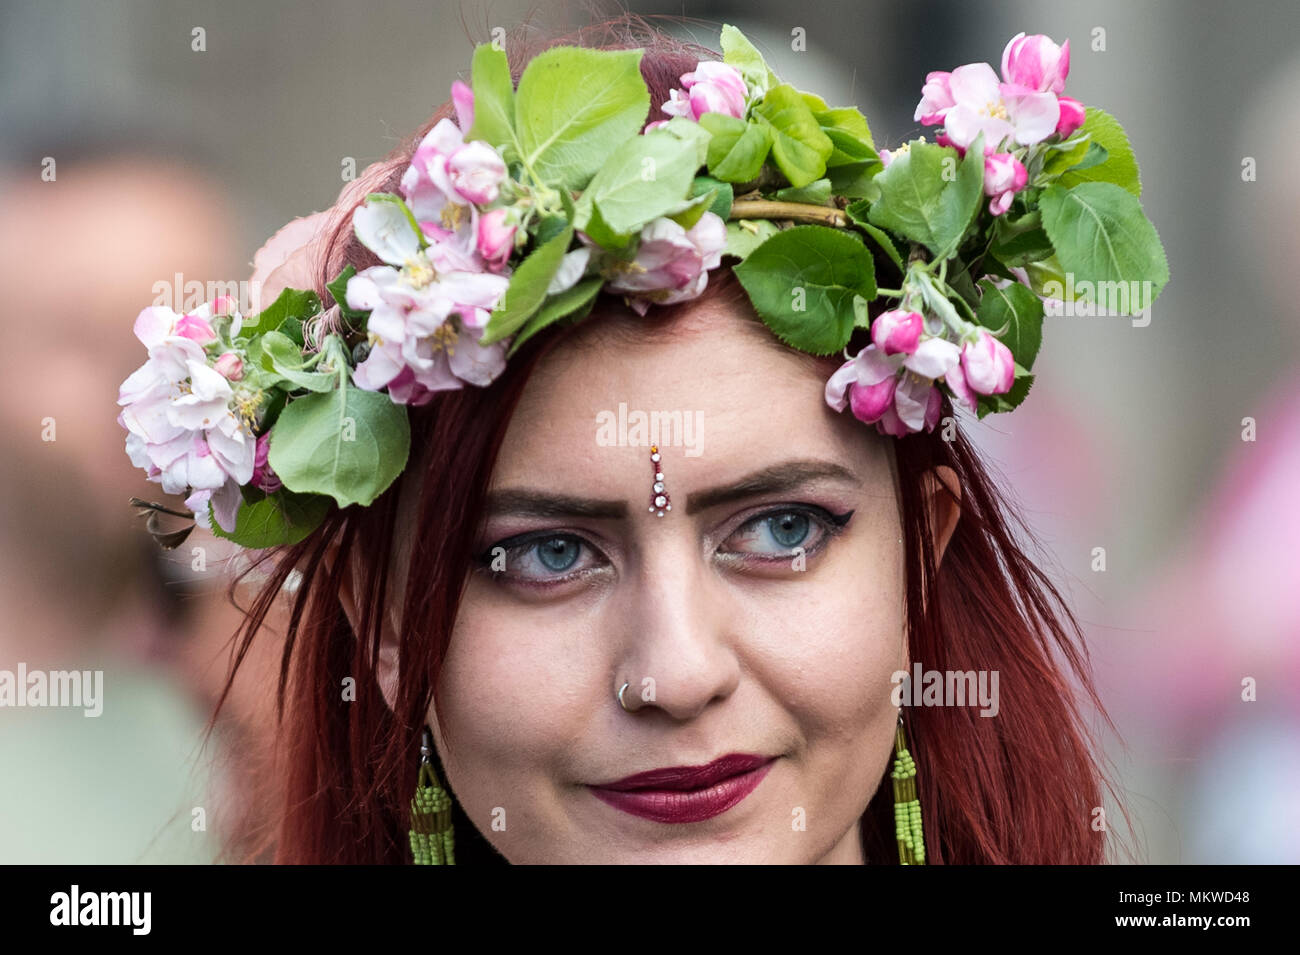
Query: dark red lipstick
[687, 793]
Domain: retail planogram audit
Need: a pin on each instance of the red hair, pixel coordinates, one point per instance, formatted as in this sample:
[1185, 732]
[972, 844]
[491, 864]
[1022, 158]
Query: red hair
[1019, 788]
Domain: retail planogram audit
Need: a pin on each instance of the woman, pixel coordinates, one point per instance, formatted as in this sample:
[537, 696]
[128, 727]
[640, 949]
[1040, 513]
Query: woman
[691, 653]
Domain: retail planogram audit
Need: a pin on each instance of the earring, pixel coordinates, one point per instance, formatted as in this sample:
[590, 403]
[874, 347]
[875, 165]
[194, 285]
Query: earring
[432, 840]
[658, 496]
[907, 804]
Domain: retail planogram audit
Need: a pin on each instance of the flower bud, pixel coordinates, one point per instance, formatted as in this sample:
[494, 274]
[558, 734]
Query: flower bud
[1036, 62]
[496, 237]
[230, 365]
[988, 365]
[196, 329]
[476, 171]
[1072, 116]
[897, 332]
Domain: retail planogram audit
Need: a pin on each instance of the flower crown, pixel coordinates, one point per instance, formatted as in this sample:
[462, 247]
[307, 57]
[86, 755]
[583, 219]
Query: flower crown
[514, 217]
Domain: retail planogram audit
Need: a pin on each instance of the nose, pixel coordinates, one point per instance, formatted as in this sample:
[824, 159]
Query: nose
[678, 632]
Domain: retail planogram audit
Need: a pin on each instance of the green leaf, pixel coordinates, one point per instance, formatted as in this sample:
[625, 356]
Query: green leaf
[279, 518]
[347, 443]
[723, 194]
[574, 300]
[644, 178]
[688, 212]
[281, 355]
[1020, 241]
[816, 192]
[1101, 235]
[1120, 167]
[527, 288]
[994, 404]
[574, 107]
[848, 130]
[745, 235]
[736, 148]
[1017, 310]
[599, 232]
[290, 303]
[494, 101]
[1059, 157]
[854, 162]
[737, 51]
[858, 211]
[689, 132]
[815, 266]
[918, 203]
[799, 147]
[338, 290]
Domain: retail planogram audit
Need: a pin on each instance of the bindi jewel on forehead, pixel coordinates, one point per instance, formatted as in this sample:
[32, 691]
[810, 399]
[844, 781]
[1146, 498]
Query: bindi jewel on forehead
[659, 499]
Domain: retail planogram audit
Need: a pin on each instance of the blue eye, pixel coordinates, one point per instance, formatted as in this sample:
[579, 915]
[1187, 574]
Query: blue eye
[558, 553]
[789, 530]
[541, 559]
[775, 534]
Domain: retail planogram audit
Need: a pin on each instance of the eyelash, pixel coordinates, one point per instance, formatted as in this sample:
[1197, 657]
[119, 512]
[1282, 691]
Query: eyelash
[515, 548]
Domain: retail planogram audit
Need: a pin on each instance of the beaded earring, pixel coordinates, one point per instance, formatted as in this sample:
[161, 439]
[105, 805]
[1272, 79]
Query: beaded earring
[907, 803]
[432, 839]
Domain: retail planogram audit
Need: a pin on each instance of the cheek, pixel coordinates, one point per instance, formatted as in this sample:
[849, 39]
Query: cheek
[830, 665]
[513, 698]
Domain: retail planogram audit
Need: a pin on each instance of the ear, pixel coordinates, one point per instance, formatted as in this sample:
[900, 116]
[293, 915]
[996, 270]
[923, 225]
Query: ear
[350, 582]
[943, 497]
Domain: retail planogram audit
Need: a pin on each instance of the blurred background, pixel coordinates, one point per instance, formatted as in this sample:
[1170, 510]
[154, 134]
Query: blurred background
[148, 142]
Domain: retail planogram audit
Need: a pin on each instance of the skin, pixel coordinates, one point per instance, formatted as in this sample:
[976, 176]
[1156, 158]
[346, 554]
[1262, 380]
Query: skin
[746, 653]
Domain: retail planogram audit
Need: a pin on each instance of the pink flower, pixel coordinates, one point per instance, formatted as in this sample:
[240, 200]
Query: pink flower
[1072, 116]
[1004, 176]
[671, 263]
[264, 478]
[956, 381]
[196, 328]
[1036, 62]
[1000, 111]
[445, 180]
[896, 331]
[894, 392]
[936, 99]
[988, 365]
[230, 366]
[476, 172]
[224, 305]
[713, 88]
[180, 415]
[462, 98]
[425, 321]
[496, 237]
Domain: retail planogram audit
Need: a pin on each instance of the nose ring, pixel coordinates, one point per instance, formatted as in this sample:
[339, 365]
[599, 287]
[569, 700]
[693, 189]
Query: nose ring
[621, 689]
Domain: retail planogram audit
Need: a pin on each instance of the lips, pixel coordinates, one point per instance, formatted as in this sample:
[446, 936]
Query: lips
[679, 794]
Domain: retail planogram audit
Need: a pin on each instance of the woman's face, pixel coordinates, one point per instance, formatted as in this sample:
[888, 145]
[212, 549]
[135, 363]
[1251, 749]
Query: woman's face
[761, 616]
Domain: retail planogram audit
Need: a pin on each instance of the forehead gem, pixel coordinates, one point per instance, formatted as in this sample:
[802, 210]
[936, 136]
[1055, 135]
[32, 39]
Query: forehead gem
[659, 501]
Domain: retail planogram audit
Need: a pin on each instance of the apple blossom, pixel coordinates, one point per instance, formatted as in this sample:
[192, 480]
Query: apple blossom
[711, 88]
[1004, 176]
[671, 263]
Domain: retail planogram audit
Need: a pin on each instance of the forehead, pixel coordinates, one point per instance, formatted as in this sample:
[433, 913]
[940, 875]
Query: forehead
[728, 398]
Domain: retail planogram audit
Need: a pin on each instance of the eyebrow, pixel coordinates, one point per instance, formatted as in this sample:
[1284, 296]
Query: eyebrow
[786, 476]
